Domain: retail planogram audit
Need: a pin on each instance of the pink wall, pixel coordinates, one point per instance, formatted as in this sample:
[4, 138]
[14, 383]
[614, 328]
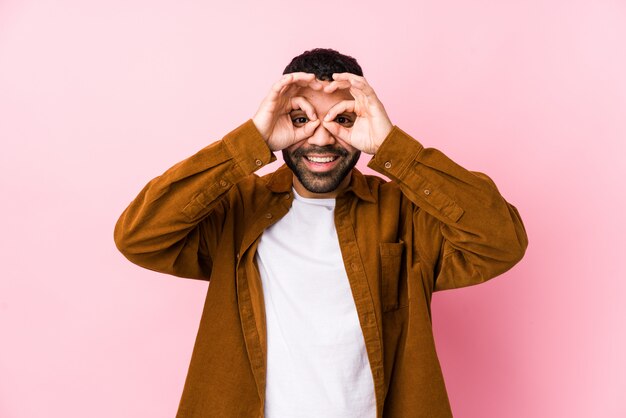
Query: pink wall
[98, 97]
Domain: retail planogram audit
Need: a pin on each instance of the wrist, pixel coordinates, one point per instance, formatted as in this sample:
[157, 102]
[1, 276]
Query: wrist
[259, 125]
[381, 137]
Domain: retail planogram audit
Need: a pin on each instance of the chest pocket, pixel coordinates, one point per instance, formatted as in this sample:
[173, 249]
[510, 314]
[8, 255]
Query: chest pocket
[394, 291]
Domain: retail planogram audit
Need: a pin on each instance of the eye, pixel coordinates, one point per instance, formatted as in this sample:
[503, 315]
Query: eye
[344, 120]
[299, 120]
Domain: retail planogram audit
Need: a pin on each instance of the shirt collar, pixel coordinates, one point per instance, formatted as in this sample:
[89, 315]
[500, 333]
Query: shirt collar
[281, 181]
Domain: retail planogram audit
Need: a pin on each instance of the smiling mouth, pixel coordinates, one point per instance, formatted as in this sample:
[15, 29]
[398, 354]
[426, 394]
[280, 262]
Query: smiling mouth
[327, 159]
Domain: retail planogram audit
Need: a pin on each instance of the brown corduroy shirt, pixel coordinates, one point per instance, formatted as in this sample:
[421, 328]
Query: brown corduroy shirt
[435, 226]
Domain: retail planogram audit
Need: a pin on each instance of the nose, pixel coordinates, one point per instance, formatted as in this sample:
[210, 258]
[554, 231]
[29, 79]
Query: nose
[321, 137]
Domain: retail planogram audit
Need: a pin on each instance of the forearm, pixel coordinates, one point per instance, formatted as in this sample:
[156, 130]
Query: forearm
[483, 234]
[165, 228]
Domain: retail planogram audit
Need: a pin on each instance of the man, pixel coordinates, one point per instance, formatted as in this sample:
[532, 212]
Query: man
[320, 277]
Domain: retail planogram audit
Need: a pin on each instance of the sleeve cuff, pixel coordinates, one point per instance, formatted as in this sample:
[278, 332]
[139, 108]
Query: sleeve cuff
[395, 154]
[248, 148]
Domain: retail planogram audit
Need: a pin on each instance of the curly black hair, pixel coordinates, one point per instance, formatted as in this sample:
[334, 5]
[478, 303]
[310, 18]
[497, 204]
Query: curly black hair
[323, 63]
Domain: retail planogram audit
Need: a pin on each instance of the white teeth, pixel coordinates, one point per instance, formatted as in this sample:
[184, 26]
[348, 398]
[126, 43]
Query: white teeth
[321, 159]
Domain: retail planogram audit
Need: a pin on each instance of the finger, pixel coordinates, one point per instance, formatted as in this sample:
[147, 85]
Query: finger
[292, 78]
[336, 85]
[306, 130]
[347, 76]
[280, 84]
[338, 108]
[298, 102]
[286, 91]
[291, 83]
[338, 131]
[303, 80]
[284, 94]
[300, 76]
[315, 84]
[356, 82]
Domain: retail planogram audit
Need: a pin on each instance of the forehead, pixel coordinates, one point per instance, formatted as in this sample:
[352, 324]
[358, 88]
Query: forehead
[324, 101]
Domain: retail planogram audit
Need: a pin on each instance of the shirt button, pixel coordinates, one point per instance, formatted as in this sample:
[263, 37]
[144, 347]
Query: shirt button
[427, 192]
[223, 183]
[354, 267]
[268, 215]
[287, 196]
[388, 164]
[258, 163]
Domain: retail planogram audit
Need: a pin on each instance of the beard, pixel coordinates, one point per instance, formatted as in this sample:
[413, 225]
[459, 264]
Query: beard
[327, 181]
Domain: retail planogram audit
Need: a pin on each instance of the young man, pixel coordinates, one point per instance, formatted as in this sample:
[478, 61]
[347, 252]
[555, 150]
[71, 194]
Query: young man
[320, 277]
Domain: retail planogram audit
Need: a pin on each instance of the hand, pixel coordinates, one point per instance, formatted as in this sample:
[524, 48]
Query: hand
[372, 125]
[273, 119]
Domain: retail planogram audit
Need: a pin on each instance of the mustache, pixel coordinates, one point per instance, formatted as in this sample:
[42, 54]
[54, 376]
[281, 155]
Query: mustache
[328, 149]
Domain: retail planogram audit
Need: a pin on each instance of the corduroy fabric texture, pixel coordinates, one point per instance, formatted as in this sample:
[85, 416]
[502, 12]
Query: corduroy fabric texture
[434, 226]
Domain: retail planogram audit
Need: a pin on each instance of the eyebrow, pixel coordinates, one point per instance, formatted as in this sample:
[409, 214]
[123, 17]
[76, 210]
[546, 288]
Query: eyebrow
[347, 113]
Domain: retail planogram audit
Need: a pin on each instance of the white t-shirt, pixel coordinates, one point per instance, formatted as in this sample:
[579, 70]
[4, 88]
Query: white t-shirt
[317, 365]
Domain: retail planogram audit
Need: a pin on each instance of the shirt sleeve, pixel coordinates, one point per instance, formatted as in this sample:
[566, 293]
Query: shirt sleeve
[172, 226]
[482, 234]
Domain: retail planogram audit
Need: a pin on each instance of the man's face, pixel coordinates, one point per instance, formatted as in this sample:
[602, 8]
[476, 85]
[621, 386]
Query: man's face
[321, 163]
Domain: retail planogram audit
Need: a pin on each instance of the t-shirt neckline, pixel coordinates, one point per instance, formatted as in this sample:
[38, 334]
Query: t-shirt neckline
[328, 202]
